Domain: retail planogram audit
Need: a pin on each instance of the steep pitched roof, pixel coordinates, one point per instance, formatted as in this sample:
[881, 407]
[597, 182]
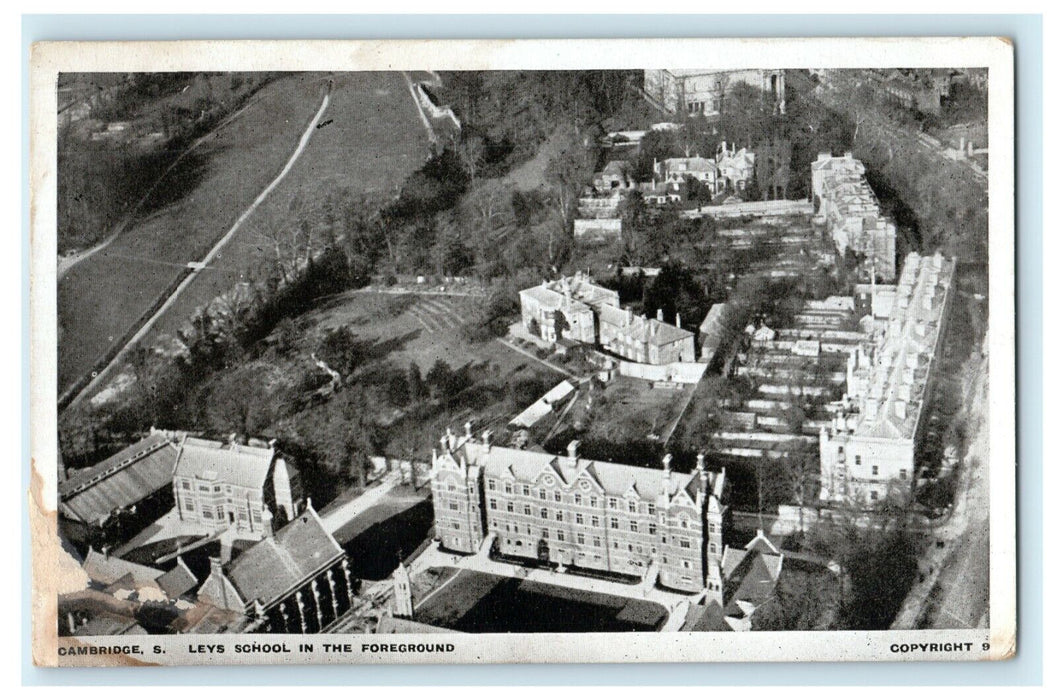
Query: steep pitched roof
[178, 580]
[751, 573]
[614, 479]
[273, 567]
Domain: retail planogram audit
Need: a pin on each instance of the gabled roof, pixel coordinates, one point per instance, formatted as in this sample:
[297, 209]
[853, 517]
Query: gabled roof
[685, 165]
[122, 480]
[238, 465]
[615, 167]
[614, 479]
[751, 573]
[276, 565]
[178, 580]
[105, 569]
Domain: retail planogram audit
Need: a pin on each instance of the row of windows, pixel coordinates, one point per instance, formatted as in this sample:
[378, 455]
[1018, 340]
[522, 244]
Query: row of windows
[527, 509]
[453, 488]
[220, 512]
[874, 469]
[578, 499]
[559, 516]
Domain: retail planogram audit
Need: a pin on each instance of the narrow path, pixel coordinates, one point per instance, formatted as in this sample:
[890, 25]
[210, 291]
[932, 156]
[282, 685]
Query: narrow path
[421, 114]
[145, 328]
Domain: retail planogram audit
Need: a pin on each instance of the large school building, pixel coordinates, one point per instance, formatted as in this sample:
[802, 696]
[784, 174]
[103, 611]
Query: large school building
[656, 524]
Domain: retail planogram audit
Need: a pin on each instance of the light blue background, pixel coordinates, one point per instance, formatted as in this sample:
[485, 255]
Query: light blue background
[1026, 32]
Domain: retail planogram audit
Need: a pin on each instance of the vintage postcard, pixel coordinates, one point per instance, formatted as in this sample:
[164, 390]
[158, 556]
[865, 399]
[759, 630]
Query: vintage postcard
[523, 351]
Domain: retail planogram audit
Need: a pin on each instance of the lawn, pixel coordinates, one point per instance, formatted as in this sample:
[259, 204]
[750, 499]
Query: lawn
[103, 296]
[625, 411]
[485, 603]
[372, 143]
[417, 328]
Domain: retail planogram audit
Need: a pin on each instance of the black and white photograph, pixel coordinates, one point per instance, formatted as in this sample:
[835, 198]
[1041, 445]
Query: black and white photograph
[420, 356]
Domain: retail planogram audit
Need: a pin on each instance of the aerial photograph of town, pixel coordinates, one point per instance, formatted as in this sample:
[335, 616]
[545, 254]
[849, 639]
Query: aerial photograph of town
[523, 351]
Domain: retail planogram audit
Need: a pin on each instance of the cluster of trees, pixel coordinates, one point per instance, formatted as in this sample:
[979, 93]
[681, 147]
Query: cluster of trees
[515, 111]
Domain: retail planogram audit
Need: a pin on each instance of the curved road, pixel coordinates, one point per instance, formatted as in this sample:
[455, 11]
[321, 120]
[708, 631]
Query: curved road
[211, 254]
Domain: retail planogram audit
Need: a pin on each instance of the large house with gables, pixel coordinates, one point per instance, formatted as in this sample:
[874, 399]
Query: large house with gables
[655, 524]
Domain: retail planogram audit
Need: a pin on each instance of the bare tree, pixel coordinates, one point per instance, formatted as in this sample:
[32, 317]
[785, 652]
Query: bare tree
[471, 152]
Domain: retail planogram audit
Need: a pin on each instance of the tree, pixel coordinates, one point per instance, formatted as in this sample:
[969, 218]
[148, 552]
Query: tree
[697, 191]
[472, 153]
[567, 173]
[416, 388]
[341, 350]
[440, 379]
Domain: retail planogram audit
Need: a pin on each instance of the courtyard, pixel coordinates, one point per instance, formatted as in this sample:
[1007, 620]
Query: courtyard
[474, 601]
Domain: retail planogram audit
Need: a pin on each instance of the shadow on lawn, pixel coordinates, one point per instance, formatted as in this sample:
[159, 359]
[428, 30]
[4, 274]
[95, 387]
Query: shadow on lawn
[375, 552]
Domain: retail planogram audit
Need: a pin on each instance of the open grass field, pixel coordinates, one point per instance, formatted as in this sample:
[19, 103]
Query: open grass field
[374, 141]
[485, 603]
[419, 328]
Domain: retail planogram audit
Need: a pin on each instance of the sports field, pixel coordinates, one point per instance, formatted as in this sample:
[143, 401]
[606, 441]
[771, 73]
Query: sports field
[373, 142]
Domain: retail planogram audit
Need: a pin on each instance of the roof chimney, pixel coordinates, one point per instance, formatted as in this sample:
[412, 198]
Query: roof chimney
[678, 320]
[667, 462]
[469, 429]
[573, 449]
[486, 438]
[215, 567]
[700, 461]
[660, 315]
[900, 408]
